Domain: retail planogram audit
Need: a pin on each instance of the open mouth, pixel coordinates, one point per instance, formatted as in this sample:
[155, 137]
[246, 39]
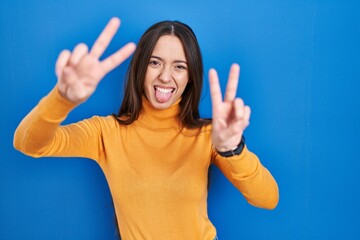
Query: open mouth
[163, 94]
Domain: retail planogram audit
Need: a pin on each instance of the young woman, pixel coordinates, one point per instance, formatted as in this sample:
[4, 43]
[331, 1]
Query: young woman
[156, 152]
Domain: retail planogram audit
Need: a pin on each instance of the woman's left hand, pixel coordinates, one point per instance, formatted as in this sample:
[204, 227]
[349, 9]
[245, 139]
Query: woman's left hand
[230, 116]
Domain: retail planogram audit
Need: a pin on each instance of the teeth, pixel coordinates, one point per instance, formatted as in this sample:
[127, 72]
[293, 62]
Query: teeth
[164, 90]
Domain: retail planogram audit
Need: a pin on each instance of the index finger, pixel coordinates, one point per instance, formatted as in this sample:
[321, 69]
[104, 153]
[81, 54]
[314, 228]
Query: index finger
[102, 42]
[215, 90]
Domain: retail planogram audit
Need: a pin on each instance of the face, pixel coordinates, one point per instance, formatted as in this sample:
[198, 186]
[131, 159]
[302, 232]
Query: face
[167, 73]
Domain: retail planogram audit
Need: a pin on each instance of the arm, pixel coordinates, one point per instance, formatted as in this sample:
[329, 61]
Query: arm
[40, 134]
[78, 73]
[250, 177]
[230, 119]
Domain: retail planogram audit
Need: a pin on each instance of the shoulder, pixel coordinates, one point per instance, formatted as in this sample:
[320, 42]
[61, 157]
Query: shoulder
[102, 123]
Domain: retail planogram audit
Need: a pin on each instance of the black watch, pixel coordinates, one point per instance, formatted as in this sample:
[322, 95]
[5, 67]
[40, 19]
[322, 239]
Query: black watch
[236, 151]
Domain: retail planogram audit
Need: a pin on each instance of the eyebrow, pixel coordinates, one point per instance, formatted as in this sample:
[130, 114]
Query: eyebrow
[176, 61]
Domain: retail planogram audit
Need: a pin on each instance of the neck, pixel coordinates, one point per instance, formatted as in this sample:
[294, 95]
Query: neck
[159, 118]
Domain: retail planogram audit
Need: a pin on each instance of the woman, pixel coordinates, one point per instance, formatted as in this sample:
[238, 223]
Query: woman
[156, 153]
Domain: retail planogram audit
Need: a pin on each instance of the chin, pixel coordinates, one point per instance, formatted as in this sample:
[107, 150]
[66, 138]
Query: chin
[159, 105]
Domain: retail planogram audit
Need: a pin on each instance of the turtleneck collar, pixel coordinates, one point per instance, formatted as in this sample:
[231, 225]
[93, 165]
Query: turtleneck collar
[159, 118]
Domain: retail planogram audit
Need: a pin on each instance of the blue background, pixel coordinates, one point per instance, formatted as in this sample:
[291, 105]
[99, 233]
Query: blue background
[300, 73]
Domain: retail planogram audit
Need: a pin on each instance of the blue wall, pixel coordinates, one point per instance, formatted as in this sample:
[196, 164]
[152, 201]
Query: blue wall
[300, 74]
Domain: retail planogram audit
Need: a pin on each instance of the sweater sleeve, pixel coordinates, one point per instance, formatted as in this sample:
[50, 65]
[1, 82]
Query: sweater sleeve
[40, 134]
[250, 177]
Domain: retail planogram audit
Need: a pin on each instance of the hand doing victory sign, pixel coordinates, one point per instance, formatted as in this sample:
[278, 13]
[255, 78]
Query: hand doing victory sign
[230, 116]
[80, 71]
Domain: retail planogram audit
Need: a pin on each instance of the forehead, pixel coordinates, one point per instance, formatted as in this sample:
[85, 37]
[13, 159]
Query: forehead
[169, 47]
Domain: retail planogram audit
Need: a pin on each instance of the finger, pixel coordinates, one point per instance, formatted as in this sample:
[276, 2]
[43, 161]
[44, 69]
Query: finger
[232, 84]
[118, 57]
[74, 89]
[69, 76]
[215, 90]
[242, 112]
[239, 108]
[237, 128]
[105, 37]
[79, 52]
[247, 113]
[242, 115]
[61, 62]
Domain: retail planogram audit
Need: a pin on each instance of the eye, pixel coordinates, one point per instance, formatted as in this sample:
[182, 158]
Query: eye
[154, 63]
[180, 67]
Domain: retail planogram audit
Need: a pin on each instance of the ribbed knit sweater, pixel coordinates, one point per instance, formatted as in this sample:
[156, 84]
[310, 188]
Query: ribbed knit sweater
[157, 172]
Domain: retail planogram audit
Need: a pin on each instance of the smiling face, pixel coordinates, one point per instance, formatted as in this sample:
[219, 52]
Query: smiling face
[167, 72]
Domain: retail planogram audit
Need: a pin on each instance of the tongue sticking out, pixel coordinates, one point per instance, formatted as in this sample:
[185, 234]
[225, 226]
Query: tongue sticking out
[163, 95]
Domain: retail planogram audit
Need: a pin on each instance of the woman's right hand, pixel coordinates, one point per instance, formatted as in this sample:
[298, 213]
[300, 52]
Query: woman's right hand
[80, 71]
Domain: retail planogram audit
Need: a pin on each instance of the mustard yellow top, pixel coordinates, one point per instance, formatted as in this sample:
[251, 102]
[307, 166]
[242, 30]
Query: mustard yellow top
[157, 173]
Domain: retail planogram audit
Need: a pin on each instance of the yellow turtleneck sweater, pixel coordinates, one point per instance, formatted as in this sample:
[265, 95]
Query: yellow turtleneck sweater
[157, 173]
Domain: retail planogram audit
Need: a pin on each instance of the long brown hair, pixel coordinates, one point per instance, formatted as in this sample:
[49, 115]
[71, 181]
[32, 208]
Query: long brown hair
[134, 86]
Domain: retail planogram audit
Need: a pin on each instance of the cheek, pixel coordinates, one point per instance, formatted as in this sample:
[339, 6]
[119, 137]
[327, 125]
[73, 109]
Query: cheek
[182, 82]
[150, 75]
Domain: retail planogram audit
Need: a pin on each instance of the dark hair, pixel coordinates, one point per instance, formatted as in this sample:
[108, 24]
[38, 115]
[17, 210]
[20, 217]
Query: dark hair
[134, 86]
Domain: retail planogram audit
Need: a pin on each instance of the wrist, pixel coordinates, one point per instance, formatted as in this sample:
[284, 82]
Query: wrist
[234, 152]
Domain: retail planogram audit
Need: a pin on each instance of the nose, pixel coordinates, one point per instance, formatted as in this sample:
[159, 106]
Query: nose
[165, 75]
